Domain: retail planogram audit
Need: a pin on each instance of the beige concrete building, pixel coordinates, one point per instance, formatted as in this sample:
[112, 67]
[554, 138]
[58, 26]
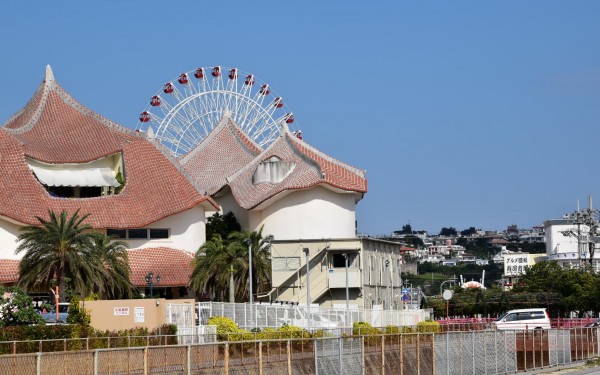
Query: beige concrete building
[373, 274]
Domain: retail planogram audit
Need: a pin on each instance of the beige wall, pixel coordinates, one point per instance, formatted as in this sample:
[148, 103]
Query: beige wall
[109, 315]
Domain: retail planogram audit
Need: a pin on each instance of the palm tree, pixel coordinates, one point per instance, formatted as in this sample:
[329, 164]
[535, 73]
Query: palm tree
[217, 264]
[66, 250]
[113, 255]
[261, 259]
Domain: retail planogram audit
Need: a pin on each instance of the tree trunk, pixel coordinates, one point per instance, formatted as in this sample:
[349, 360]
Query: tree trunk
[231, 286]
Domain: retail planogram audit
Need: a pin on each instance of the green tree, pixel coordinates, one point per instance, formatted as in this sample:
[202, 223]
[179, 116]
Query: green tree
[64, 250]
[223, 225]
[16, 308]
[468, 232]
[451, 231]
[113, 255]
[217, 265]
[261, 259]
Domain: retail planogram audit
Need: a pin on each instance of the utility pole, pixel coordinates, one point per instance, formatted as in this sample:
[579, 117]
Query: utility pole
[587, 223]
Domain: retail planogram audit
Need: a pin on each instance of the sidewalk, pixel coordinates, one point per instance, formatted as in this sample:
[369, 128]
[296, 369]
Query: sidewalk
[576, 369]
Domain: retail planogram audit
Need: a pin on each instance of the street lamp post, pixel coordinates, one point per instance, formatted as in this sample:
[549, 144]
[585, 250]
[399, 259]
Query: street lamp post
[150, 280]
[249, 243]
[306, 251]
[347, 290]
[387, 281]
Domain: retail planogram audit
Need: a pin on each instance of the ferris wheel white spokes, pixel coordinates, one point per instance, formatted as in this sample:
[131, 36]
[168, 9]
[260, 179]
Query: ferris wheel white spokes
[189, 107]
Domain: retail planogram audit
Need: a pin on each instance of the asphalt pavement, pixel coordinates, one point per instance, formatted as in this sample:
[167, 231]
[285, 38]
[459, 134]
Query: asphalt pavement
[578, 369]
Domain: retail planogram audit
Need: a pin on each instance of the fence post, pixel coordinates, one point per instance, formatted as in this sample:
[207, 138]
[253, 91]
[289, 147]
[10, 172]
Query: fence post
[146, 360]
[447, 353]
[362, 353]
[289, 357]
[39, 364]
[260, 359]
[473, 351]
[418, 353]
[189, 359]
[87, 343]
[433, 353]
[227, 358]
[401, 354]
[96, 362]
[382, 355]
[340, 354]
[316, 343]
[14, 351]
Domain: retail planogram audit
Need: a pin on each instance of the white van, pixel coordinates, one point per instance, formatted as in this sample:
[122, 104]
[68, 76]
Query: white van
[524, 319]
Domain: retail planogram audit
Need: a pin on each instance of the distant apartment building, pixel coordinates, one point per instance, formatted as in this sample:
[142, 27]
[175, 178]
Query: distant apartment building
[567, 243]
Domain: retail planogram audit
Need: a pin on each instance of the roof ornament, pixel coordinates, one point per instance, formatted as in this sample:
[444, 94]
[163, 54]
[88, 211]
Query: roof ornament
[226, 112]
[49, 74]
[150, 133]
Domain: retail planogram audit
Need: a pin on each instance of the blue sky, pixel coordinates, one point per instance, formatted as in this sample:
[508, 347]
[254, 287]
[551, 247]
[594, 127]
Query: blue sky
[463, 113]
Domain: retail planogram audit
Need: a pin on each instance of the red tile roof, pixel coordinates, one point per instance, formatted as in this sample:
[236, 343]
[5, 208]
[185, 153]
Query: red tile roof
[222, 153]
[9, 271]
[60, 130]
[173, 266]
[312, 168]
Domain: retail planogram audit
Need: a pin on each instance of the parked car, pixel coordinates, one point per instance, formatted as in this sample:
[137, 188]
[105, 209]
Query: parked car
[63, 314]
[521, 319]
[595, 323]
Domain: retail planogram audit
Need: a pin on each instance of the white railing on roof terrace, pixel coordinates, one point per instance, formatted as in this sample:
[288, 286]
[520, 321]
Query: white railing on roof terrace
[263, 315]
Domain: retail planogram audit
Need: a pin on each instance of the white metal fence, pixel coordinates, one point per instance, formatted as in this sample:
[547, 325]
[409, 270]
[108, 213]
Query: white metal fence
[275, 315]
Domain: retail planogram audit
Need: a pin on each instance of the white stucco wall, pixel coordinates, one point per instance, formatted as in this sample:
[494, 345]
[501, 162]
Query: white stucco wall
[557, 242]
[309, 214]
[8, 240]
[187, 231]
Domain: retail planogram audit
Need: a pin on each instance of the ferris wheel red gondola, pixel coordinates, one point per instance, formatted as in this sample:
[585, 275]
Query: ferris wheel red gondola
[264, 89]
[216, 71]
[289, 118]
[155, 101]
[249, 80]
[183, 79]
[199, 73]
[233, 73]
[278, 103]
[144, 117]
[168, 88]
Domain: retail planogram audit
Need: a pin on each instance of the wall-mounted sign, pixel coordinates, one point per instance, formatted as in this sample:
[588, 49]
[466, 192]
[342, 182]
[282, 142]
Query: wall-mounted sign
[516, 264]
[121, 311]
[138, 315]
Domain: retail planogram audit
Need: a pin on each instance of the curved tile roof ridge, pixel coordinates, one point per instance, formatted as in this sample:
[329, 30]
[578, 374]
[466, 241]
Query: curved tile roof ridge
[314, 169]
[301, 143]
[181, 170]
[39, 100]
[248, 144]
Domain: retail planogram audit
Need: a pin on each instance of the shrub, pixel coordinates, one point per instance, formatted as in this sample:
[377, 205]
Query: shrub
[364, 329]
[429, 326]
[77, 314]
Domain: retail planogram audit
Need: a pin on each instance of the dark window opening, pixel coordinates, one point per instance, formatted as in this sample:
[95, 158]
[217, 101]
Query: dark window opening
[60, 191]
[159, 233]
[116, 233]
[338, 260]
[90, 191]
[137, 233]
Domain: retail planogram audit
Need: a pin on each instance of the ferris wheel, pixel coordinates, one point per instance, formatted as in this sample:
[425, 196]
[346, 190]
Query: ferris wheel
[188, 107]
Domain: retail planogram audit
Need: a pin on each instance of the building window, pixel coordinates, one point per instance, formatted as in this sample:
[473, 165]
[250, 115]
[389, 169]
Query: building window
[159, 233]
[285, 263]
[116, 233]
[339, 261]
[137, 233]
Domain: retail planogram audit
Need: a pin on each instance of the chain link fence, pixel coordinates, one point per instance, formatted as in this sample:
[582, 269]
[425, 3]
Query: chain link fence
[456, 353]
